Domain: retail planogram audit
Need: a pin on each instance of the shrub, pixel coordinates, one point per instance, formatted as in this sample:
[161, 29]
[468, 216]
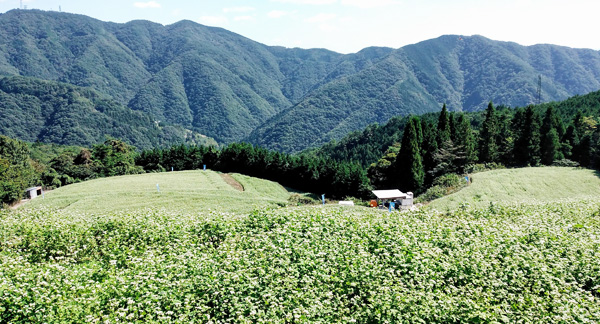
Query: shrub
[565, 163]
[299, 199]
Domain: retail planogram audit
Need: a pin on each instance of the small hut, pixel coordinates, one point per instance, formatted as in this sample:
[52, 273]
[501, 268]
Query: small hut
[33, 192]
[401, 200]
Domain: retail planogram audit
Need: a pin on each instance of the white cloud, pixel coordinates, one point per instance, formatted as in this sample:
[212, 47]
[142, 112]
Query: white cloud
[321, 18]
[238, 9]
[328, 27]
[277, 14]
[176, 13]
[366, 4]
[310, 2]
[243, 18]
[213, 20]
[149, 4]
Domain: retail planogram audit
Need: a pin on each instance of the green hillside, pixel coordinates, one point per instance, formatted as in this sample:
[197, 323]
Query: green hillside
[205, 79]
[225, 86]
[188, 191]
[53, 112]
[526, 185]
[466, 73]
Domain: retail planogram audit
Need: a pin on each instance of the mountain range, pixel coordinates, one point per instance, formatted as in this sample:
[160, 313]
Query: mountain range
[209, 81]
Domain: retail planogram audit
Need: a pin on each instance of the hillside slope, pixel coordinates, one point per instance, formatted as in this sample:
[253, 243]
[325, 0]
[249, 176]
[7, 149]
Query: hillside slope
[526, 185]
[53, 112]
[466, 73]
[226, 86]
[189, 191]
[206, 79]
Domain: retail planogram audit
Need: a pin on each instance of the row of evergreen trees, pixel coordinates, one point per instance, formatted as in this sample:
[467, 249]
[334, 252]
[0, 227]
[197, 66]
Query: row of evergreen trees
[302, 172]
[520, 137]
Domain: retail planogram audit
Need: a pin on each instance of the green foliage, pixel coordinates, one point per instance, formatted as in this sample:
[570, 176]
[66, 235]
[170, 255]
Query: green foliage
[488, 146]
[297, 199]
[535, 263]
[35, 110]
[407, 171]
[16, 170]
[115, 157]
[442, 186]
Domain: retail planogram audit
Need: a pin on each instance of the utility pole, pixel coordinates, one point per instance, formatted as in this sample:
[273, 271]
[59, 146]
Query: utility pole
[539, 90]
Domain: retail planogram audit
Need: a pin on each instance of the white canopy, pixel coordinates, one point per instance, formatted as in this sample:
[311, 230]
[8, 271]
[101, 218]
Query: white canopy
[389, 194]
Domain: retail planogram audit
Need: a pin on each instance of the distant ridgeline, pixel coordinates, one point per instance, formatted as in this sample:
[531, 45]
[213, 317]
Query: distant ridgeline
[190, 79]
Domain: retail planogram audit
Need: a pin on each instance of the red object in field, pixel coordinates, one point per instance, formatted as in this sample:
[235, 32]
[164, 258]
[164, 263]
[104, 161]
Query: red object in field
[373, 203]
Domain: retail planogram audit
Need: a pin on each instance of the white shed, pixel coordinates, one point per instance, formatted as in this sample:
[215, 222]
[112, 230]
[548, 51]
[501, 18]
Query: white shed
[405, 200]
[33, 192]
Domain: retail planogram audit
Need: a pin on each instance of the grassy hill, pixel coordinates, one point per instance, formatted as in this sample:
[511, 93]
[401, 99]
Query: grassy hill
[184, 191]
[525, 185]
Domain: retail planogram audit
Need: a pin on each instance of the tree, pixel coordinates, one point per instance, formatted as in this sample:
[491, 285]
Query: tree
[551, 132]
[443, 129]
[550, 146]
[380, 173]
[409, 171]
[115, 157]
[527, 143]
[464, 140]
[488, 148]
[16, 170]
[429, 149]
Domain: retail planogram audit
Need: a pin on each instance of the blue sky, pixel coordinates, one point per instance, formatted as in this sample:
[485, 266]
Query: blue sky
[346, 26]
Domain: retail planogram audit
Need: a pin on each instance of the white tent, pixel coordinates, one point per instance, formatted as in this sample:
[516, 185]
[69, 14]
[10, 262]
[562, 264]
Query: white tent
[389, 194]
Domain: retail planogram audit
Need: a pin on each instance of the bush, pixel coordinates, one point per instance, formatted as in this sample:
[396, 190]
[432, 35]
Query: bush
[432, 193]
[297, 199]
[480, 167]
[449, 180]
[442, 186]
[565, 163]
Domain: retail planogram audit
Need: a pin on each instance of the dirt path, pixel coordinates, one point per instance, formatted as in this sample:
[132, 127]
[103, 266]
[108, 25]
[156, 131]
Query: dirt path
[19, 204]
[232, 182]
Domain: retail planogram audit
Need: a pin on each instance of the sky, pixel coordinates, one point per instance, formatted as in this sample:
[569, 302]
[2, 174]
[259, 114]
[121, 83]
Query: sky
[347, 26]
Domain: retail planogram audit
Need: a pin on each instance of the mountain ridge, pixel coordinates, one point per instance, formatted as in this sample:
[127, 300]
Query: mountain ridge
[218, 83]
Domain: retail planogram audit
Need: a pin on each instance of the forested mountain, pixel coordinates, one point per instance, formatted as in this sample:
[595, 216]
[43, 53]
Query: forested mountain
[214, 82]
[205, 79]
[463, 72]
[53, 112]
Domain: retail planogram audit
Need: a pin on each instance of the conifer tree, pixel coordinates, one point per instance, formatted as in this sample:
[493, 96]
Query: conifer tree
[527, 143]
[465, 139]
[488, 148]
[551, 132]
[428, 149]
[550, 145]
[443, 129]
[409, 163]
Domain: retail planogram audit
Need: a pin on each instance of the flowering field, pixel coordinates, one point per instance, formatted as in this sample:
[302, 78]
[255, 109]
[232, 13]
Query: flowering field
[533, 264]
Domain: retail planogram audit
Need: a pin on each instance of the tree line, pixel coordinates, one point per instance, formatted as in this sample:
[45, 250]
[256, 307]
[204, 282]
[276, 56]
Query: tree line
[24, 165]
[508, 137]
[335, 179]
